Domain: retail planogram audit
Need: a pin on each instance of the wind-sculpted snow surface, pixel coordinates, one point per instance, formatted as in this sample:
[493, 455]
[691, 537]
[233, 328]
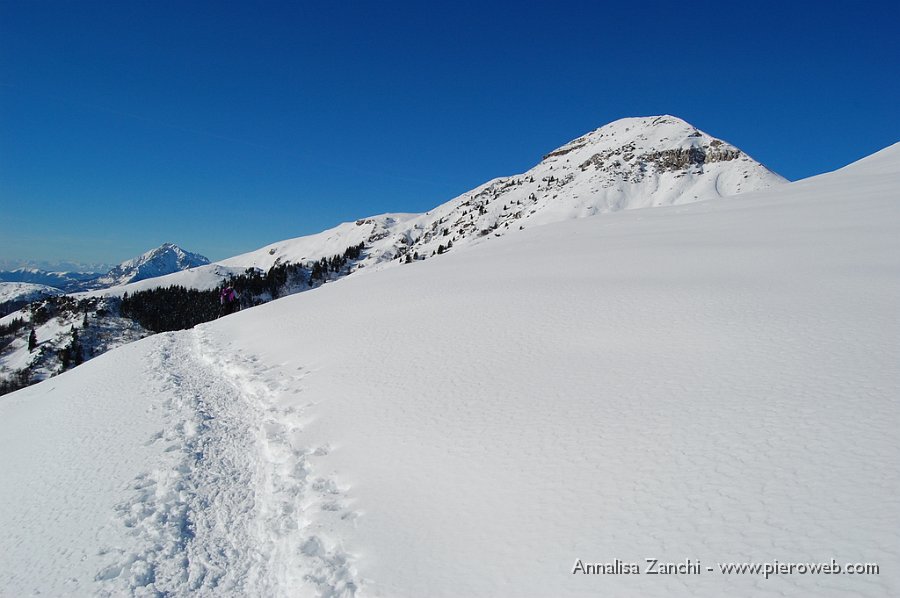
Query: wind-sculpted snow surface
[714, 382]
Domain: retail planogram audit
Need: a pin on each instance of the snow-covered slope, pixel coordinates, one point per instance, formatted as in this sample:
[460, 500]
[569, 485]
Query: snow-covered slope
[715, 382]
[25, 291]
[168, 258]
[630, 163]
[96, 335]
[202, 278]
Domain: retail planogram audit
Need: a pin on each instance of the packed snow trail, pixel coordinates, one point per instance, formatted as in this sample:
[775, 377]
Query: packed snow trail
[234, 512]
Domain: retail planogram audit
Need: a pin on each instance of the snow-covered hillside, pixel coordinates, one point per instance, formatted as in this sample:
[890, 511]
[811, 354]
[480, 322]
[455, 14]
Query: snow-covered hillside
[628, 164]
[25, 291]
[67, 333]
[715, 382]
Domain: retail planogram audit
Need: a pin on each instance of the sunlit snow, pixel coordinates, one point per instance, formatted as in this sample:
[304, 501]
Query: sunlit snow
[715, 381]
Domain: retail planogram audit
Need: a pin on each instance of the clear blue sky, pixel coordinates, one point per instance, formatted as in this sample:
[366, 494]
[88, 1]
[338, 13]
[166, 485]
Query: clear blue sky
[223, 126]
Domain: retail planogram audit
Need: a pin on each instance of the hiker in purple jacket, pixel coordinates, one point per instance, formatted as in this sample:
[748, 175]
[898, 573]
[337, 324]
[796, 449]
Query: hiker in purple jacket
[228, 299]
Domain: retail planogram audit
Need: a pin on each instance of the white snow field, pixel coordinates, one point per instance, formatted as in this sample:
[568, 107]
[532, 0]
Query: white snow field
[716, 382]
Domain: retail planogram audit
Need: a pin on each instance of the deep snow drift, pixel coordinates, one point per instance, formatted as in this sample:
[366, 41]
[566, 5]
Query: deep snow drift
[715, 382]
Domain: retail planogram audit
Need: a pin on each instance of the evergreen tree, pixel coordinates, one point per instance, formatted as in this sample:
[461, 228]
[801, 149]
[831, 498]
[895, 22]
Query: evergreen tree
[175, 307]
[19, 379]
[15, 325]
[32, 340]
[77, 353]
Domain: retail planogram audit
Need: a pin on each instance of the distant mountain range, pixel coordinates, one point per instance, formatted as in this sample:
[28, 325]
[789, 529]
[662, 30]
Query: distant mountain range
[63, 281]
[165, 259]
[54, 266]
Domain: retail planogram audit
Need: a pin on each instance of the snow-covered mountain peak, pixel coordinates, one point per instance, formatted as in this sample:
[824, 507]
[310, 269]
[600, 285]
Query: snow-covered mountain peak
[164, 251]
[631, 147]
[656, 131]
[630, 163]
[165, 259]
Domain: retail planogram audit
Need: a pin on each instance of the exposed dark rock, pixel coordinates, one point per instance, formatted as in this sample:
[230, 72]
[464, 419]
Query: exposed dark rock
[661, 161]
[566, 149]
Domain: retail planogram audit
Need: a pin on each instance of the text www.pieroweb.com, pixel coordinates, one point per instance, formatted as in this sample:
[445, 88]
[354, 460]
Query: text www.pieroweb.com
[653, 566]
[779, 568]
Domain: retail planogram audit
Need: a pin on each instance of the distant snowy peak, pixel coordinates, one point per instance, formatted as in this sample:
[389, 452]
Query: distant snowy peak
[165, 259]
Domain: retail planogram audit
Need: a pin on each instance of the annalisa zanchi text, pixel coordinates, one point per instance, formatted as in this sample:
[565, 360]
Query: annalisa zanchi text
[652, 566]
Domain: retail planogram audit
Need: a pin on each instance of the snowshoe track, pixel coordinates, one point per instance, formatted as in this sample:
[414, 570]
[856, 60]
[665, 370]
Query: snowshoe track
[235, 509]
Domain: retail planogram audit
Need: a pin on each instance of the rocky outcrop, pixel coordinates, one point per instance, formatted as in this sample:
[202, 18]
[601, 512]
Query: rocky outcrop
[623, 161]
